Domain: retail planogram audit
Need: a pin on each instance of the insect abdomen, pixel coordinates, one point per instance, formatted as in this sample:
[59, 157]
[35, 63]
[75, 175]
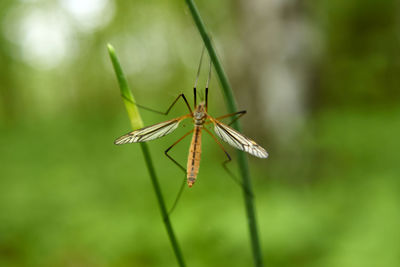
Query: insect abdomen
[194, 157]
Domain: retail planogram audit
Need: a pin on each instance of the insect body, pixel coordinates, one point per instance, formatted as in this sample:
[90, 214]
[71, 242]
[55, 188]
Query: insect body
[193, 163]
[200, 120]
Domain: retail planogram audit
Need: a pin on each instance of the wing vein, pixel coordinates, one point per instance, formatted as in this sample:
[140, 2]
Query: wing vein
[238, 140]
[150, 132]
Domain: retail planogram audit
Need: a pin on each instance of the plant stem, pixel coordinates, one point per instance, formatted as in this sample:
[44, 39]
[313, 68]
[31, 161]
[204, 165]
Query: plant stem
[136, 122]
[242, 159]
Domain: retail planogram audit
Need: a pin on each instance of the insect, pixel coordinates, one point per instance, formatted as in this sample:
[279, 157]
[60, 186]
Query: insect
[200, 118]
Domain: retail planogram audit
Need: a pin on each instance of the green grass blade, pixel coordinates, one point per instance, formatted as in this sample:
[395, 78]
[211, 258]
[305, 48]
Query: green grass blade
[136, 122]
[242, 159]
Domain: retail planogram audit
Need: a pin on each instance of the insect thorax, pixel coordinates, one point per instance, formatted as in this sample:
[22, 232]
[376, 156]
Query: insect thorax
[199, 117]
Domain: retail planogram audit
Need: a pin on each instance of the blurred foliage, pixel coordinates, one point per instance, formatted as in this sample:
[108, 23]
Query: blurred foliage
[69, 197]
[360, 60]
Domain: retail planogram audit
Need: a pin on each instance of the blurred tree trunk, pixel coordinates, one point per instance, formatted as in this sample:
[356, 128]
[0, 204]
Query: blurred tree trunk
[274, 70]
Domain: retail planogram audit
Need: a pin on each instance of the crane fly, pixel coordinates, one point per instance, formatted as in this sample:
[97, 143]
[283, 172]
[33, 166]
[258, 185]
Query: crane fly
[200, 118]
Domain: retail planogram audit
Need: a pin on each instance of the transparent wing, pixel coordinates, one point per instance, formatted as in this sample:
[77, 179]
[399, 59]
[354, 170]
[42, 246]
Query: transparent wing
[238, 140]
[150, 132]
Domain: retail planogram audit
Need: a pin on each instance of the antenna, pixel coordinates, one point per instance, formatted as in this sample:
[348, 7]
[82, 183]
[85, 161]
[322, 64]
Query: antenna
[208, 81]
[197, 77]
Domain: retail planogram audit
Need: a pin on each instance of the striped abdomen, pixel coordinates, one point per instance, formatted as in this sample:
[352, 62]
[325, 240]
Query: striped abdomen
[194, 156]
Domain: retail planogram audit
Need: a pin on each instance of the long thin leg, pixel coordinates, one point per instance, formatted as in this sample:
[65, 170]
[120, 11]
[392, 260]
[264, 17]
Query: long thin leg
[241, 113]
[208, 81]
[180, 166]
[168, 110]
[235, 179]
[197, 78]
[169, 148]
[178, 196]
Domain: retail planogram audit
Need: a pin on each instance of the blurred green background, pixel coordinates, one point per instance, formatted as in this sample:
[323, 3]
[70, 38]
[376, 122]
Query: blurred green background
[320, 81]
